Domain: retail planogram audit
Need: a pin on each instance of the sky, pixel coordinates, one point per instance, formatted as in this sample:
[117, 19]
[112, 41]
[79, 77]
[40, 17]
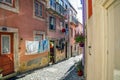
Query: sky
[78, 6]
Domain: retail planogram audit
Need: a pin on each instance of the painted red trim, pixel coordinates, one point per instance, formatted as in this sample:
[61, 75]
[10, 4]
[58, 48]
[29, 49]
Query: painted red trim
[89, 8]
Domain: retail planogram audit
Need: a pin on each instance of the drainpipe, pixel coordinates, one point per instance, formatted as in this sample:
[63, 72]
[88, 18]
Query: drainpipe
[83, 16]
[69, 46]
[84, 25]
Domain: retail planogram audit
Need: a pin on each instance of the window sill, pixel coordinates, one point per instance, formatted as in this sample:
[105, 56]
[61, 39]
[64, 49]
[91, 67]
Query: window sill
[39, 18]
[9, 8]
[52, 30]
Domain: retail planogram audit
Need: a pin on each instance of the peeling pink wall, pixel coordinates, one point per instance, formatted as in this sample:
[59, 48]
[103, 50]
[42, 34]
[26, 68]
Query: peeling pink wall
[25, 22]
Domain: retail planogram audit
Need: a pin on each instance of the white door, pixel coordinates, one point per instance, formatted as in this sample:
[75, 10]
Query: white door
[114, 41]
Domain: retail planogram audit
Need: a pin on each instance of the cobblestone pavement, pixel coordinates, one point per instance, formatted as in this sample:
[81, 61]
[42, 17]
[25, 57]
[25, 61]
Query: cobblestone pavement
[64, 70]
[72, 75]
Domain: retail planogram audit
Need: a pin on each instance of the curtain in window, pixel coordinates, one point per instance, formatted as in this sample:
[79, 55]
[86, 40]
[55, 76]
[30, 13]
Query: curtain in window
[52, 23]
[5, 44]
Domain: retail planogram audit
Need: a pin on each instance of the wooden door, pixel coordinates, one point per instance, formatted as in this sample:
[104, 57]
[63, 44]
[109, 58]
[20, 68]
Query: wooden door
[6, 53]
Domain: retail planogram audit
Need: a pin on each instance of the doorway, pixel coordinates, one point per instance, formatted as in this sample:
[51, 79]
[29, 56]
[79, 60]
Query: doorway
[52, 51]
[6, 53]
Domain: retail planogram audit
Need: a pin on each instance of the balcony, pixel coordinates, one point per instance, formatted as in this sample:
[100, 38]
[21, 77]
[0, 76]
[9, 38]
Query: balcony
[55, 8]
[73, 20]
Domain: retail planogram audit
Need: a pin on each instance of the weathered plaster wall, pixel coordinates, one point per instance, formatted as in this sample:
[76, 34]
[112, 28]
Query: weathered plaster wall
[24, 20]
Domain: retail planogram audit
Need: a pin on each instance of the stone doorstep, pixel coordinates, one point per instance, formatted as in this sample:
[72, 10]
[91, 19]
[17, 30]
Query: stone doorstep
[8, 76]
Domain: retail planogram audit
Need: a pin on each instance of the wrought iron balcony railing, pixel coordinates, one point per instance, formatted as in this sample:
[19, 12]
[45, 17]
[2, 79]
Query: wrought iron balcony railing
[55, 7]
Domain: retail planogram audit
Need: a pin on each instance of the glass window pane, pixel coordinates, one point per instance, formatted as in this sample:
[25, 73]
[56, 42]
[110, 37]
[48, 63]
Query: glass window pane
[36, 9]
[5, 44]
[40, 9]
[51, 2]
[38, 37]
[52, 23]
[8, 1]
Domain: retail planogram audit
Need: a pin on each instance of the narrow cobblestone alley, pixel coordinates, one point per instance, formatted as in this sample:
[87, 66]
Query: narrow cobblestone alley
[64, 70]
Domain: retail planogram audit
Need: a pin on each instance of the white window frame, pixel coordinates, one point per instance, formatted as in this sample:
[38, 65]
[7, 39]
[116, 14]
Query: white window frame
[39, 9]
[54, 22]
[4, 1]
[9, 45]
[39, 33]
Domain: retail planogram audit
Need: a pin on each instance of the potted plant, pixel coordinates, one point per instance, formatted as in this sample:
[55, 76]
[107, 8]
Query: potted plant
[80, 38]
[80, 68]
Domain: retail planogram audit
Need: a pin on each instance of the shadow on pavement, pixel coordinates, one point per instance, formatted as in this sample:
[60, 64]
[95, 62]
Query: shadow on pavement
[72, 74]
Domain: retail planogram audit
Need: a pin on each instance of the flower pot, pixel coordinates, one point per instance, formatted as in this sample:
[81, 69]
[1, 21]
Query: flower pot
[81, 44]
[63, 30]
[80, 73]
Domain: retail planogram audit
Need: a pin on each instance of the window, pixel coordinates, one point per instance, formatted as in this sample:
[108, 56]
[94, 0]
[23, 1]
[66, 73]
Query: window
[39, 7]
[38, 37]
[57, 8]
[61, 10]
[52, 21]
[67, 29]
[70, 12]
[5, 44]
[66, 6]
[8, 2]
[62, 23]
[61, 3]
[53, 4]
[81, 1]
